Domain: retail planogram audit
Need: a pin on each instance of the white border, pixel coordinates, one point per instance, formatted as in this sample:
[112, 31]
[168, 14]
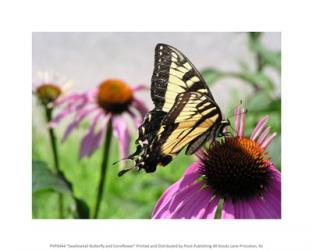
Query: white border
[21, 18]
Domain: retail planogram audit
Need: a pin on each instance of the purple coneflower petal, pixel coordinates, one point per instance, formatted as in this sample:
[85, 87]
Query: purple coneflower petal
[136, 118]
[259, 127]
[242, 123]
[200, 154]
[263, 135]
[57, 119]
[243, 210]
[138, 87]
[72, 97]
[268, 140]
[92, 94]
[140, 106]
[121, 131]
[187, 198]
[99, 136]
[211, 208]
[72, 106]
[162, 202]
[260, 208]
[228, 211]
[269, 206]
[193, 206]
[171, 198]
[237, 119]
[78, 119]
[183, 195]
[89, 141]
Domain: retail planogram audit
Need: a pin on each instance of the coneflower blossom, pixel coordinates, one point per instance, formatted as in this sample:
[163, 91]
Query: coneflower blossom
[235, 174]
[49, 87]
[107, 102]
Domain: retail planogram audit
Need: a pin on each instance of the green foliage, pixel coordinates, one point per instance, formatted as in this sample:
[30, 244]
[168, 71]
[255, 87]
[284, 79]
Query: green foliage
[212, 75]
[131, 196]
[44, 179]
[265, 56]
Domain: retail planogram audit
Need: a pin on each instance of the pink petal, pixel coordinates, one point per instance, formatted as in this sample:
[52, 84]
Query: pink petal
[57, 119]
[72, 97]
[138, 87]
[243, 210]
[79, 117]
[73, 106]
[92, 93]
[121, 131]
[200, 204]
[99, 136]
[173, 196]
[268, 140]
[260, 208]
[237, 119]
[193, 204]
[263, 135]
[140, 106]
[211, 208]
[200, 154]
[228, 211]
[183, 195]
[259, 127]
[242, 123]
[91, 140]
[136, 118]
[269, 206]
[165, 197]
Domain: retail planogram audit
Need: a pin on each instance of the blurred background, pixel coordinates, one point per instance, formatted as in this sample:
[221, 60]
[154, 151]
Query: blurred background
[237, 67]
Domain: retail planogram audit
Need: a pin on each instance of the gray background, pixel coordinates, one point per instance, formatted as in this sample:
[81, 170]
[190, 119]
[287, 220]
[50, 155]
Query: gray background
[89, 58]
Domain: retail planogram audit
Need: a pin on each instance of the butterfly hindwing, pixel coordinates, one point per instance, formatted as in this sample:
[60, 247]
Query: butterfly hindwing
[193, 115]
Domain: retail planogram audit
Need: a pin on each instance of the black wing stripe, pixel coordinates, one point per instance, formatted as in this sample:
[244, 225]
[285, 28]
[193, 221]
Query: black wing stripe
[171, 67]
[205, 108]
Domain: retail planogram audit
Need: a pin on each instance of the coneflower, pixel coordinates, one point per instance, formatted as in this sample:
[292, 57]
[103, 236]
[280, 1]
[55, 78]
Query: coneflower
[235, 173]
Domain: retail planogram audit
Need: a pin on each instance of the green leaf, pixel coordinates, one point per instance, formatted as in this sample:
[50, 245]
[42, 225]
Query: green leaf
[276, 105]
[259, 79]
[254, 36]
[274, 150]
[260, 101]
[268, 57]
[44, 179]
[211, 75]
[82, 209]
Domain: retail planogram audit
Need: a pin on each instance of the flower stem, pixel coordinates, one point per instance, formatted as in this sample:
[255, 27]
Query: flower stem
[55, 158]
[104, 164]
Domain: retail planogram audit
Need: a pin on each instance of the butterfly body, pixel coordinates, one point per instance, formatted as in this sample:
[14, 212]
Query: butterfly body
[185, 113]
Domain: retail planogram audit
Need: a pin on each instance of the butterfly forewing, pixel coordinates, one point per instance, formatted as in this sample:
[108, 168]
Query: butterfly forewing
[173, 74]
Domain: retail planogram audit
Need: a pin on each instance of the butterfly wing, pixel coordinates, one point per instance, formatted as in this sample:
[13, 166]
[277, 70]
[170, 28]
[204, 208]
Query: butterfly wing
[174, 74]
[185, 112]
[190, 122]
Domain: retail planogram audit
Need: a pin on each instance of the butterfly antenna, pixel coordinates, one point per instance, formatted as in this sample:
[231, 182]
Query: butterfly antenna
[129, 157]
[125, 170]
[122, 172]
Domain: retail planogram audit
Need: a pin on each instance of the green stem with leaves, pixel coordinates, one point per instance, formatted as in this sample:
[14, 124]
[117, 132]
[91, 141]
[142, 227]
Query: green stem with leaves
[55, 158]
[106, 147]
